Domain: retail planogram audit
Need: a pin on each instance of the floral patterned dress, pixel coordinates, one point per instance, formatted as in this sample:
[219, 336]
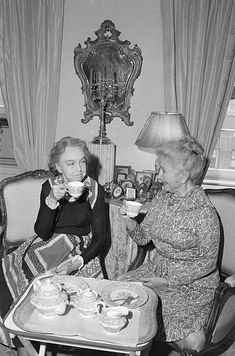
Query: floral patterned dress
[186, 235]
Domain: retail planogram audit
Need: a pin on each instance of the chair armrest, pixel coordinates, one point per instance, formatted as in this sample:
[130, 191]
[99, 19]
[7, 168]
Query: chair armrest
[2, 217]
[221, 321]
[140, 256]
[230, 280]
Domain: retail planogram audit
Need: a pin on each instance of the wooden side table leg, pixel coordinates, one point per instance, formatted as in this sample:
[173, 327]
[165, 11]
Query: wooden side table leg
[42, 350]
[133, 353]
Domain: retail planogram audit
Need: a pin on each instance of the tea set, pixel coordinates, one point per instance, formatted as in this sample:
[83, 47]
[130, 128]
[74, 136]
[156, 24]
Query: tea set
[50, 300]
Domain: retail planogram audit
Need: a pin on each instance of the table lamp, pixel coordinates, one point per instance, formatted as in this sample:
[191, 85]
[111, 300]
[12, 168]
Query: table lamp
[161, 127]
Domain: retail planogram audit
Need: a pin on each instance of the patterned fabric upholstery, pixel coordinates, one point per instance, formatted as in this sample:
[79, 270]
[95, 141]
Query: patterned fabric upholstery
[224, 202]
[20, 198]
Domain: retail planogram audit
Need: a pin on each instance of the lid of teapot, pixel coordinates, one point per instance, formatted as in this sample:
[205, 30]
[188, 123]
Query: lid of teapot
[89, 294]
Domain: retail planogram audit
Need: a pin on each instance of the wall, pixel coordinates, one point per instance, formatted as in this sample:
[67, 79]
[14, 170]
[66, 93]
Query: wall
[139, 21]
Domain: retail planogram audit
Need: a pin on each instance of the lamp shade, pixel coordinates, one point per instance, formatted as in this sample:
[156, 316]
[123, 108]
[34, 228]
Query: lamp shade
[161, 127]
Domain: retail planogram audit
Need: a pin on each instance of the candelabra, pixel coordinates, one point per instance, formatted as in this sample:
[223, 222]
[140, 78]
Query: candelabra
[104, 92]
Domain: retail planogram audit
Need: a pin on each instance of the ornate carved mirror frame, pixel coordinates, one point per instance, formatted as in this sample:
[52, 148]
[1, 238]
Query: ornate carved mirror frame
[107, 68]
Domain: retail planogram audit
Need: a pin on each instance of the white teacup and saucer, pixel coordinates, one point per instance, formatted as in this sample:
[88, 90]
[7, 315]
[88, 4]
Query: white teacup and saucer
[130, 208]
[75, 189]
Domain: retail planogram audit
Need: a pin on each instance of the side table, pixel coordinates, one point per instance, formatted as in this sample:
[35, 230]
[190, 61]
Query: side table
[147, 327]
[123, 249]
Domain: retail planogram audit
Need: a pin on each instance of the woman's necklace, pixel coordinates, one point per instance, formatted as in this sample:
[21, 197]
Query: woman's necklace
[172, 205]
[173, 202]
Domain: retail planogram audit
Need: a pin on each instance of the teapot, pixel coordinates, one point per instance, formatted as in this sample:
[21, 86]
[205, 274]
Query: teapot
[49, 298]
[113, 319]
[88, 303]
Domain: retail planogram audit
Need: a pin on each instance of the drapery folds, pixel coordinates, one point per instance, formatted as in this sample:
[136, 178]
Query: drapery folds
[30, 59]
[199, 66]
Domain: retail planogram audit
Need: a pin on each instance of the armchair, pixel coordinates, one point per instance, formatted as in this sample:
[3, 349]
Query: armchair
[19, 204]
[220, 328]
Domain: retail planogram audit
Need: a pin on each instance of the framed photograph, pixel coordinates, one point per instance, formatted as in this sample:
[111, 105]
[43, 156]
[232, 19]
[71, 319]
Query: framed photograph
[144, 177]
[142, 191]
[117, 192]
[153, 190]
[127, 183]
[131, 177]
[130, 193]
[121, 170]
[121, 177]
[155, 178]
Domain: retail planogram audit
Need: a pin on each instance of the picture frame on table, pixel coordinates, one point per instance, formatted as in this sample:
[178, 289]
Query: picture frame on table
[117, 192]
[142, 191]
[144, 177]
[121, 177]
[130, 193]
[121, 170]
[131, 177]
[155, 177]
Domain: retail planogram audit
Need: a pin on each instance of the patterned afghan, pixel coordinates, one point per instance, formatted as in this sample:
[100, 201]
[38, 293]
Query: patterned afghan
[36, 256]
[186, 235]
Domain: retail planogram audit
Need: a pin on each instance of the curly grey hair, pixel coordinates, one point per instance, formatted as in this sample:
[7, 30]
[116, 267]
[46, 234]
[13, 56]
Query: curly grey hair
[186, 154]
[59, 148]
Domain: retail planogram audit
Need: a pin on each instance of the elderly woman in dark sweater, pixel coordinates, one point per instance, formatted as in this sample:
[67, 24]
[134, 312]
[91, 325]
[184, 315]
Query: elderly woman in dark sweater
[73, 228]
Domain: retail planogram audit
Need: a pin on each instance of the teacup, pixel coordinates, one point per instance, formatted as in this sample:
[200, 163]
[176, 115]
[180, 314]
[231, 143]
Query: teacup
[132, 208]
[113, 319]
[75, 189]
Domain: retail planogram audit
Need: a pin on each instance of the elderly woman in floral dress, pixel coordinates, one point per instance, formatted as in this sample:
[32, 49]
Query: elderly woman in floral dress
[184, 228]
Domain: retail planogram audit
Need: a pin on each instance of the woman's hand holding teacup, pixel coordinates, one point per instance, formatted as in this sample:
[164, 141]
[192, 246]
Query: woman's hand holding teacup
[130, 222]
[58, 191]
[130, 208]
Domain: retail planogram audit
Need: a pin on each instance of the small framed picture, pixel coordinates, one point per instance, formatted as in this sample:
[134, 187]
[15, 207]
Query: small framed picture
[127, 183]
[142, 191]
[147, 180]
[121, 177]
[130, 193]
[117, 192]
[121, 170]
[155, 178]
[153, 190]
[113, 184]
[131, 177]
[144, 177]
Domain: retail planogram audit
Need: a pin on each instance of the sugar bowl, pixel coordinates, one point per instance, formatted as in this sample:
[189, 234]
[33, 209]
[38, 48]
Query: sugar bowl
[88, 303]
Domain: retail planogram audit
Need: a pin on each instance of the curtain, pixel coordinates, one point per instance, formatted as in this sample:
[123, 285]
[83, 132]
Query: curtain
[30, 60]
[199, 66]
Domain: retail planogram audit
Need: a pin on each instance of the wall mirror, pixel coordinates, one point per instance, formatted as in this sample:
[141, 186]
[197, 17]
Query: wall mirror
[107, 68]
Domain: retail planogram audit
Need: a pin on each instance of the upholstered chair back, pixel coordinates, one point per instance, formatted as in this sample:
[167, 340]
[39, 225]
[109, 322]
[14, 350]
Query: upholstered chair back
[224, 202]
[19, 204]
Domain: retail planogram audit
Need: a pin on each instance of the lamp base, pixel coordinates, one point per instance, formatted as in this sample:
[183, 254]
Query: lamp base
[99, 140]
[103, 161]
